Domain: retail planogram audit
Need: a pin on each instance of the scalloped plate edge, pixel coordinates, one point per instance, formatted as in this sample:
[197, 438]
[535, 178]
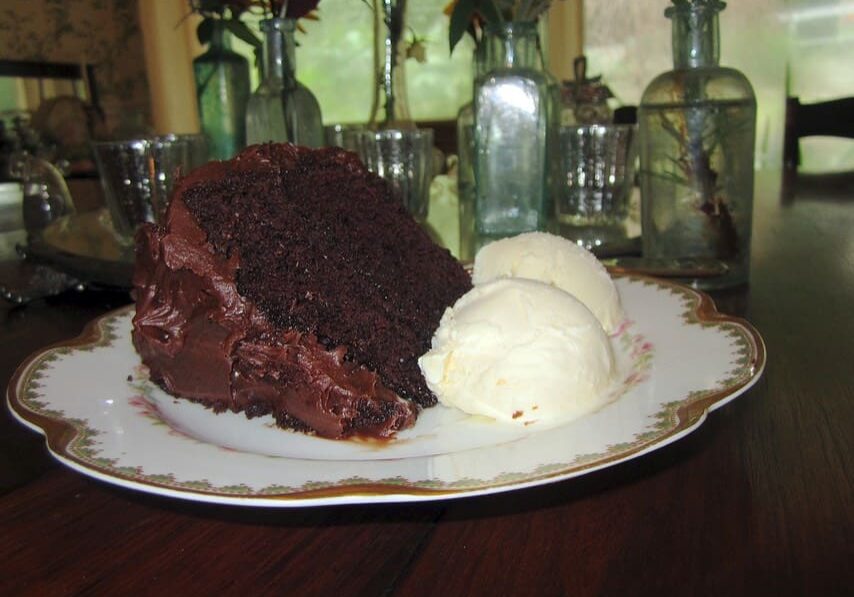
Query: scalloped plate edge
[61, 433]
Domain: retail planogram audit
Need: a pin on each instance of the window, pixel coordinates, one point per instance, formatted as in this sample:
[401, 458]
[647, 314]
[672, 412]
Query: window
[799, 47]
[335, 60]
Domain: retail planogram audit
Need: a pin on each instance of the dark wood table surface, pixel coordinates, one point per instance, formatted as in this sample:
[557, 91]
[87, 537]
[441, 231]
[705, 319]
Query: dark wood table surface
[759, 500]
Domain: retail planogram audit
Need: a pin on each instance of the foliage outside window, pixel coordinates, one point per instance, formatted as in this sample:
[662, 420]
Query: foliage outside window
[335, 60]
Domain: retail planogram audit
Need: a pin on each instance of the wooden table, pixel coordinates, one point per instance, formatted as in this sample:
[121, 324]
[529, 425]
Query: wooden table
[759, 500]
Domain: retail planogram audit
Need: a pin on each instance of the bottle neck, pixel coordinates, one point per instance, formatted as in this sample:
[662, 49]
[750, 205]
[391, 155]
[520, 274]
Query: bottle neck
[512, 45]
[219, 39]
[696, 37]
[390, 107]
[478, 60]
[279, 63]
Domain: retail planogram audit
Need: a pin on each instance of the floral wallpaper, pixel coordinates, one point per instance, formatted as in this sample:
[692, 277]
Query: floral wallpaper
[105, 33]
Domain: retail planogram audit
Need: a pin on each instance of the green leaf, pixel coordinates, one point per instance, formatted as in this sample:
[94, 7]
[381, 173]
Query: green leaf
[242, 31]
[211, 6]
[489, 11]
[460, 21]
[205, 31]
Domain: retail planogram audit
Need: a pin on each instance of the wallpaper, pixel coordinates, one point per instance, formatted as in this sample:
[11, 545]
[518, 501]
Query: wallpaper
[105, 33]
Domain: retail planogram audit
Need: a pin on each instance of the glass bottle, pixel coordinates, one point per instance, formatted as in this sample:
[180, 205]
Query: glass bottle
[390, 107]
[222, 91]
[514, 113]
[697, 131]
[281, 108]
[465, 163]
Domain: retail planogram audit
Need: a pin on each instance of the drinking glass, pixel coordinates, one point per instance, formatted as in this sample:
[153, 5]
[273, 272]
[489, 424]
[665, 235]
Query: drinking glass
[137, 176]
[340, 135]
[404, 157]
[597, 169]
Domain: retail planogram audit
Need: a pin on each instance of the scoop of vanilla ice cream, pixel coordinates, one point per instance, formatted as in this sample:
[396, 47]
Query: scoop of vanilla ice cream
[519, 351]
[556, 261]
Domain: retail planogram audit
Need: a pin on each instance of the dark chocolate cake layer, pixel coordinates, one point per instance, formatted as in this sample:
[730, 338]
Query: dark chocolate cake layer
[289, 281]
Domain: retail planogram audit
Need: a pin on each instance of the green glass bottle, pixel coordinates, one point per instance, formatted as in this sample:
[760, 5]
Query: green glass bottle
[222, 89]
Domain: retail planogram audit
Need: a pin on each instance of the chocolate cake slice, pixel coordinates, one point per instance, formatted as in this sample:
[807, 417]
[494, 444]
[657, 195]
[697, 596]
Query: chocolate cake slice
[290, 281]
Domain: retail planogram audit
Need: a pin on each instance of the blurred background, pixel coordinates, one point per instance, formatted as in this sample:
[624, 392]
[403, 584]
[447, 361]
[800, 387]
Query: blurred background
[785, 47]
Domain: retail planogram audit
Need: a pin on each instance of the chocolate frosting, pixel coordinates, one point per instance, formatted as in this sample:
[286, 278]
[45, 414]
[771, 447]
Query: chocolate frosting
[203, 341]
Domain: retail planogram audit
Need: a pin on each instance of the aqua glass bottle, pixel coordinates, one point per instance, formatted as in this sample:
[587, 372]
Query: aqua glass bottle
[465, 163]
[514, 113]
[697, 127]
[222, 91]
[281, 108]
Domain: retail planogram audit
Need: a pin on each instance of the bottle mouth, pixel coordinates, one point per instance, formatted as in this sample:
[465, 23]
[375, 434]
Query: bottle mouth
[509, 29]
[277, 24]
[681, 7]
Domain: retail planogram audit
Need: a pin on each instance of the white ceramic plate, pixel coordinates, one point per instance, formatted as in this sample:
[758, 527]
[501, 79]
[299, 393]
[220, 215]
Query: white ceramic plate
[678, 359]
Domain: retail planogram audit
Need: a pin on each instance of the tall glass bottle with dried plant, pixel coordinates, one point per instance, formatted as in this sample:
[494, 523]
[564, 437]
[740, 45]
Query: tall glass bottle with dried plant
[697, 129]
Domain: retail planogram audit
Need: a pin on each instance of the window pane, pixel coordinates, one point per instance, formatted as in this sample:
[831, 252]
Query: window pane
[440, 86]
[629, 43]
[335, 60]
[821, 45]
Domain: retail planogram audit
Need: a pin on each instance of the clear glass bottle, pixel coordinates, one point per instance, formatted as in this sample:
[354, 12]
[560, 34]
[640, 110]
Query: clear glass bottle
[222, 91]
[697, 131]
[390, 107]
[282, 109]
[465, 163]
[514, 113]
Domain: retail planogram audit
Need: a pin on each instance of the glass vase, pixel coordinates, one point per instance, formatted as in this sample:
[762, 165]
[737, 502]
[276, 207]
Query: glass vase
[222, 91]
[390, 106]
[514, 113]
[697, 128]
[282, 109]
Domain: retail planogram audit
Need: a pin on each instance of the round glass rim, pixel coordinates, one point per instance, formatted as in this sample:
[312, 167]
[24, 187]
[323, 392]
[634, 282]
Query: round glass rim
[344, 126]
[394, 134]
[277, 24]
[599, 126]
[510, 28]
[150, 140]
